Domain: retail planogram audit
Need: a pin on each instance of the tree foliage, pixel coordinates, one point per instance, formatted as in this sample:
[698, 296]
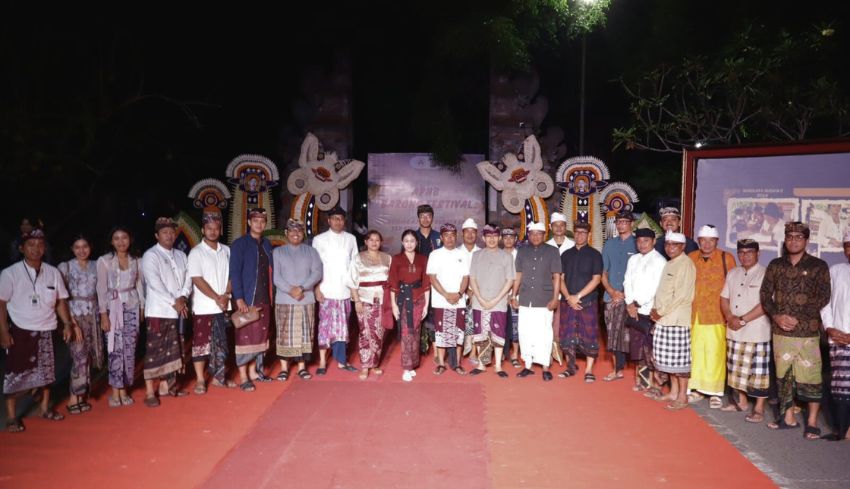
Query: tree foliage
[765, 86]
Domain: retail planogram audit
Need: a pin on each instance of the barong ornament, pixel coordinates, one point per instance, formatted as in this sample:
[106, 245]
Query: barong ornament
[582, 178]
[317, 182]
[210, 195]
[616, 197]
[522, 181]
[252, 177]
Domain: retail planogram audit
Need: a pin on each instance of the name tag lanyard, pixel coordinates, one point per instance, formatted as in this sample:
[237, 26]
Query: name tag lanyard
[34, 298]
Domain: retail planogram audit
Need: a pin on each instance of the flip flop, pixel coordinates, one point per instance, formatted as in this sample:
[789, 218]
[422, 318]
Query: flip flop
[152, 402]
[439, 370]
[613, 376]
[589, 378]
[283, 376]
[14, 426]
[459, 370]
[85, 407]
[782, 425]
[52, 415]
[676, 405]
[812, 433]
[304, 374]
[200, 389]
[515, 363]
[224, 385]
[321, 371]
[566, 374]
[74, 409]
[754, 418]
[247, 386]
[502, 374]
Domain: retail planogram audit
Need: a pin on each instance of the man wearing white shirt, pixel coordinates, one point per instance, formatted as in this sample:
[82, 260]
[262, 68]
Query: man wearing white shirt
[558, 225]
[448, 269]
[337, 249]
[643, 273]
[167, 289]
[32, 293]
[509, 239]
[209, 269]
[836, 323]
[469, 237]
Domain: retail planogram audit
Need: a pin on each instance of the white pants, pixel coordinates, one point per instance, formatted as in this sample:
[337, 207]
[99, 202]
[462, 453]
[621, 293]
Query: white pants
[535, 335]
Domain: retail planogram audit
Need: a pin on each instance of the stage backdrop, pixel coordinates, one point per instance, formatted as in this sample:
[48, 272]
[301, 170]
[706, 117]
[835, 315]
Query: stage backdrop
[399, 182]
[753, 195]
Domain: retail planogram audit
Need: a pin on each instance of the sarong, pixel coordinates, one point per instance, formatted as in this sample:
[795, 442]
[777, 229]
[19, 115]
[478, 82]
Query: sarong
[163, 355]
[333, 321]
[708, 358]
[512, 330]
[798, 370]
[535, 335]
[840, 364]
[252, 340]
[579, 332]
[371, 337]
[29, 361]
[410, 334]
[296, 324]
[489, 333]
[85, 354]
[468, 328]
[122, 348]
[448, 324]
[748, 367]
[615, 322]
[671, 349]
[640, 340]
[209, 342]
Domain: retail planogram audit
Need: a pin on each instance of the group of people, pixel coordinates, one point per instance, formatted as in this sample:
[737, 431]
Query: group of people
[683, 311]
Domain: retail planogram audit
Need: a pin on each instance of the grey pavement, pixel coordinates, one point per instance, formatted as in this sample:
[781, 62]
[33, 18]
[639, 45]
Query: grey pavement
[791, 461]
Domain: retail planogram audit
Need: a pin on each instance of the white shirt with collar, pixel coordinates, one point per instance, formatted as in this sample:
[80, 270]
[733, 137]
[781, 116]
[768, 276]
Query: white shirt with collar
[31, 299]
[213, 265]
[643, 273]
[567, 244]
[166, 280]
[836, 314]
[337, 251]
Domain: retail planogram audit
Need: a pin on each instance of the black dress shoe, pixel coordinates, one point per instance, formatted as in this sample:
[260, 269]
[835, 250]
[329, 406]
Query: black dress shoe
[547, 376]
[525, 372]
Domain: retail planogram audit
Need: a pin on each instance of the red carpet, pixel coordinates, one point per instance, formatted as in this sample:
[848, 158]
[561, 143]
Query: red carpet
[338, 432]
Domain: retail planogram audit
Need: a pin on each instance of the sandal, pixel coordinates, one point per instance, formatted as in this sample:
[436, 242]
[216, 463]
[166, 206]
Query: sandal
[547, 376]
[782, 425]
[283, 376]
[85, 407]
[364, 374]
[178, 393]
[676, 405]
[811, 433]
[74, 409]
[439, 370]
[515, 363]
[304, 374]
[14, 426]
[525, 372]
[52, 415]
[247, 386]
[349, 368]
[321, 371]
[714, 402]
[733, 407]
[613, 376]
[152, 402]
[589, 378]
[476, 372]
[502, 374]
[200, 389]
[127, 401]
[566, 374]
[459, 370]
[377, 371]
[695, 397]
[754, 418]
[263, 378]
[114, 402]
[653, 393]
[224, 385]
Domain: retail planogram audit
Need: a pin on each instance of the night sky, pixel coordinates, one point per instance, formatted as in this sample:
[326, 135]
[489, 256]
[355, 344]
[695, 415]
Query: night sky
[104, 117]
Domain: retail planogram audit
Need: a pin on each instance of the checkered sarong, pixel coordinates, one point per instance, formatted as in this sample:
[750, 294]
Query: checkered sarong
[748, 367]
[840, 364]
[671, 348]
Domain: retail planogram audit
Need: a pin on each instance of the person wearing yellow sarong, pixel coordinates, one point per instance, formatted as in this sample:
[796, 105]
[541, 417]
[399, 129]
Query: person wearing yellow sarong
[708, 333]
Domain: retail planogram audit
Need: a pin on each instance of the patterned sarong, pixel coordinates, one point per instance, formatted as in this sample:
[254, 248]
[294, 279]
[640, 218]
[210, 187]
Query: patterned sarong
[748, 367]
[252, 340]
[798, 370]
[839, 357]
[163, 353]
[579, 332]
[371, 337]
[29, 361]
[296, 325]
[209, 342]
[85, 354]
[333, 321]
[708, 358]
[410, 336]
[448, 327]
[640, 340]
[488, 332]
[122, 351]
[671, 349]
[615, 322]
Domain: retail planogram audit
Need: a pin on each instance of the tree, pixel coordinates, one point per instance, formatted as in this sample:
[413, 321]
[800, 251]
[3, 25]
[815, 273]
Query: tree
[765, 86]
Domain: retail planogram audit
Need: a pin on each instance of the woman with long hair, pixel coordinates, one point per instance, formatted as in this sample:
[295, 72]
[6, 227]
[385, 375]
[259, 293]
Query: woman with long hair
[369, 271]
[410, 290]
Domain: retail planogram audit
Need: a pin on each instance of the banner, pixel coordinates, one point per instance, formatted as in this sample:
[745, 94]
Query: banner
[400, 182]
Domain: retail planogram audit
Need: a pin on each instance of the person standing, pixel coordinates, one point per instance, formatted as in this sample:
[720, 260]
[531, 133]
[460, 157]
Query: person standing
[708, 334]
[582, 272]
[643, 274]
[558, 224]
[615, 257]
[671, 341]
[448, 271]
[795, 289]
[209, 270]
[747, 333]
[297, 270]
[167, 290]
[509, 241]
[836, 323]
[121, 302]
[428, 240]
[251, 270]
[671, 221]
[32, 293]
[337, 250]
[535, 295]
[371, 296]
[80, 276]
[410, 290]
[469, 237]
[491, 277]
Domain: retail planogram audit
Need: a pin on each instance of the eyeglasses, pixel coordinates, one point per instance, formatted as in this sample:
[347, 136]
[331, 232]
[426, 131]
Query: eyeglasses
[794, 237]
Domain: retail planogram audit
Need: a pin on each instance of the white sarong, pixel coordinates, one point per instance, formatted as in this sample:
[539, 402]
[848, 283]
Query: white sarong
[535, 335]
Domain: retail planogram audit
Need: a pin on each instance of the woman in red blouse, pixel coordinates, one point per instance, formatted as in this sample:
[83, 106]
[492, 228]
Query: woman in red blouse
[410, 291]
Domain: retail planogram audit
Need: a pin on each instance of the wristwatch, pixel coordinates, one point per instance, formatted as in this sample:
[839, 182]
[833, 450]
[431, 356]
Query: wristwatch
[741, 322]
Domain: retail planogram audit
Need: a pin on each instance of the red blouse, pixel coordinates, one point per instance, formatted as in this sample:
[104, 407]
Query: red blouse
[403, 271]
